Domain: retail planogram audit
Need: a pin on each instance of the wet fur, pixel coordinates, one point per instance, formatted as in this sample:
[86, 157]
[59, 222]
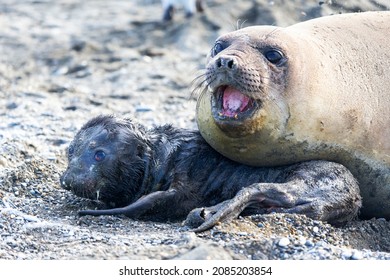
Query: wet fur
[163, 173]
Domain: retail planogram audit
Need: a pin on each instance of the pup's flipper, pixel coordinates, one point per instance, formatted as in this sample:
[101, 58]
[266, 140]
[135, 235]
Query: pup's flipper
[320, 190]
[138, 208]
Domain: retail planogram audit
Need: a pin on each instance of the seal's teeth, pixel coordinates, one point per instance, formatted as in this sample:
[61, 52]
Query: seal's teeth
[210, 89]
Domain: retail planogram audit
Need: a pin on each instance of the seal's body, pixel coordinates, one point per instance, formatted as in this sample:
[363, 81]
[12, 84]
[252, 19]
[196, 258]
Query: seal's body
[319, 89]
[164, 173]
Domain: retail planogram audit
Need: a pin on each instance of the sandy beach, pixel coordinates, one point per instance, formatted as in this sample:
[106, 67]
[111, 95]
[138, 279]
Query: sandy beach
[63, 62]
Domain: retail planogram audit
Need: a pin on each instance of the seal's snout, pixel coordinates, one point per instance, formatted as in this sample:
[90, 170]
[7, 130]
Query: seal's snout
[82, 185]
[225, 63]
[66, 181]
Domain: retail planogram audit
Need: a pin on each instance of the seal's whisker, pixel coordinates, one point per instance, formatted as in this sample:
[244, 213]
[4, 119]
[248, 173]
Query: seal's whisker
[266, 36]
[203, 90]
[199, 80]
[200, 85]
[240, 24]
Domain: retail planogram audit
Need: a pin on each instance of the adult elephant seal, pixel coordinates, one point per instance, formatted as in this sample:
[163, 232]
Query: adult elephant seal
[319, 89]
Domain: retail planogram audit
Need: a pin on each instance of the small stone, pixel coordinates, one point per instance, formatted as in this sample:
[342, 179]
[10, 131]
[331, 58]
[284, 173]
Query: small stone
[315, 229]
[98, 238]
[11, 105]
[346, 254]
[284, 242]
[205, 252]
[31, 218]
[78, 45]
[357, 255]
[309, 243]
[302, 240]
[321, 243]
[143, 108]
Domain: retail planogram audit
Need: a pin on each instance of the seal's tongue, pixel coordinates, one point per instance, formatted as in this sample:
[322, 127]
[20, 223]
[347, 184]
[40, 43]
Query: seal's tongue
[234, 102]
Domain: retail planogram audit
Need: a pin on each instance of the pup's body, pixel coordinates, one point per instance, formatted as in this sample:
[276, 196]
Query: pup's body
[164, 173]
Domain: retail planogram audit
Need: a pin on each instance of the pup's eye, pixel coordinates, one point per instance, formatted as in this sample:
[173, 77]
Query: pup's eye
[274, 56]
[100, 155]
[218, 47]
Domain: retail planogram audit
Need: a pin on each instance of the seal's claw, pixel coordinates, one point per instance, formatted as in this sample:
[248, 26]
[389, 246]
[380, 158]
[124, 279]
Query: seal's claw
[195, 218]
[205, 218]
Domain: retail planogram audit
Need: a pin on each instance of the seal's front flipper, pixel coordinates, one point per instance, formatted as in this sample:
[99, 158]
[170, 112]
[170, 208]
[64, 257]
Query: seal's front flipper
[140, 207]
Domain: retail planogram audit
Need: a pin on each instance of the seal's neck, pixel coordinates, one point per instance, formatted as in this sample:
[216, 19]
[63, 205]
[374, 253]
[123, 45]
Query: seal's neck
[158, 161]
[165, 147]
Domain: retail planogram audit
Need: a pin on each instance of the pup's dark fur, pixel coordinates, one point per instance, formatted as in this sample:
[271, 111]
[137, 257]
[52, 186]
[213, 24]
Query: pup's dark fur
[164, 173]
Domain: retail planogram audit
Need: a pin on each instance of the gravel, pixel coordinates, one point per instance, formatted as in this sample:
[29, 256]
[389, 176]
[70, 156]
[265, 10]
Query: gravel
[63, 62]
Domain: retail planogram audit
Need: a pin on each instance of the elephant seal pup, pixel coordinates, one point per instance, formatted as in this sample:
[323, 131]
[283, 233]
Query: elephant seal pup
[316, 90]
[190, 7]
[163, 173]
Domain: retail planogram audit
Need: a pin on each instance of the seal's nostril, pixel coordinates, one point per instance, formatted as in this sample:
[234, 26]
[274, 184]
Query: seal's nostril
[230, 63]
[225, 62]
[218, 62]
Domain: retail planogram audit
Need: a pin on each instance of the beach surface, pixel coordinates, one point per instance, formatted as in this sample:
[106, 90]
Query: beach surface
[63, 62]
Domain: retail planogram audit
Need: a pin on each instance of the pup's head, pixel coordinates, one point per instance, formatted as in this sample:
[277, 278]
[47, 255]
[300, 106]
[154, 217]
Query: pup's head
[106, 161]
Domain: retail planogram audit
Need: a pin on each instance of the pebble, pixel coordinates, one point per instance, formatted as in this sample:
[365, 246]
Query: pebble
[302, 240]
[98, 238]
[24, 119]
[321, 243]
[284, 242]
[284, 256]
[143, 108]
[31, 218]
[309, 243]
[357, 255]
[205, 252]
[346, 254]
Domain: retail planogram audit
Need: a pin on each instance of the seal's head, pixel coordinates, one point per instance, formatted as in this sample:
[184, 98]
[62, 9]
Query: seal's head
[244, 75]
[106, 161]
[247, 91]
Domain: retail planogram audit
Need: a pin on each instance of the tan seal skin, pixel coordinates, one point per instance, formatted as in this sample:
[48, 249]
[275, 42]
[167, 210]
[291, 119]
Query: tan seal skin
[329, 100]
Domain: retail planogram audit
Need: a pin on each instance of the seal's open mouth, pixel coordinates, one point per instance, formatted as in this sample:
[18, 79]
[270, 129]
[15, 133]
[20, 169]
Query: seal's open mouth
[231, 103]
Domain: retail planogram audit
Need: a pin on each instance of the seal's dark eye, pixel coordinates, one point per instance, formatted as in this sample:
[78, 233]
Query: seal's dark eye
[274, 56]
[100, 155]
[218, 47]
